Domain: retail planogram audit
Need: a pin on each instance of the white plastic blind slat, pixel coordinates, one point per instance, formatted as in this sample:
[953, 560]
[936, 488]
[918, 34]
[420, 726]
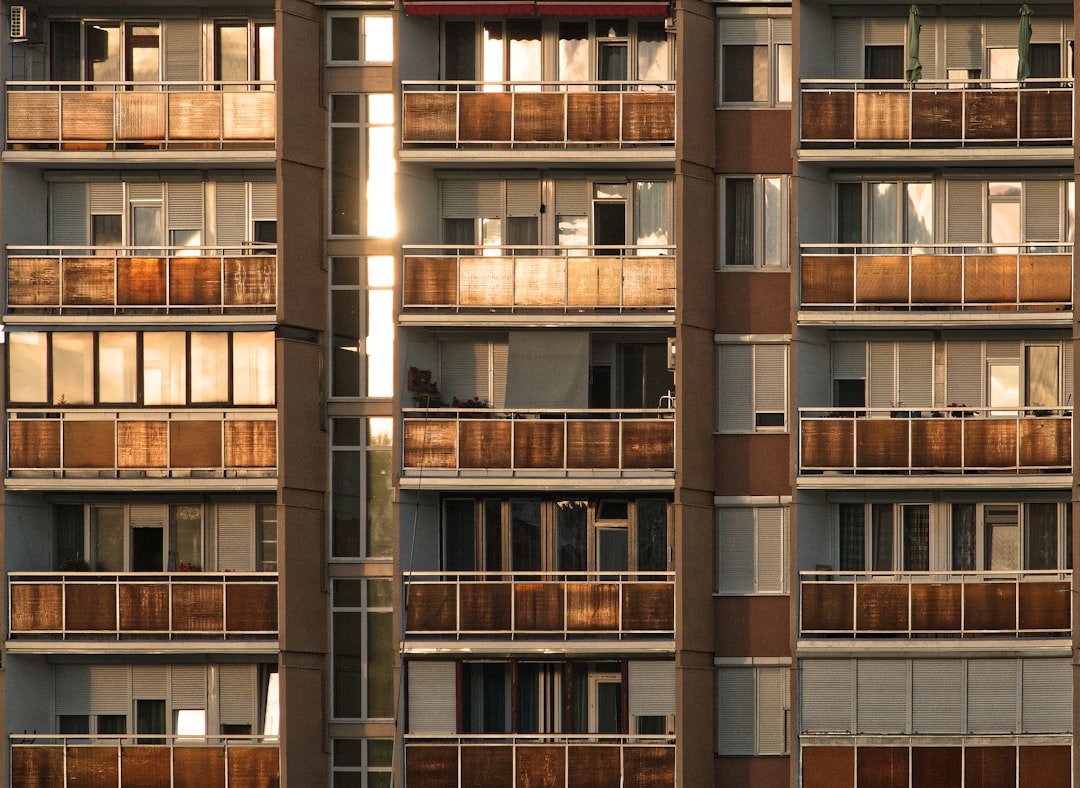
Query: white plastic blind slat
[915, 378]
[652, 688]
[1045, 30]
[848, 57]
[463, 369]
[928, 54]
[827, 696]
[432, 697]
[964, 219]
[148, 515]
[770, 378]
[848, 360]
[781, 31]
[1042, 211]
[106, 197]
[963, 44]
[68, 214]
[188, 686]
[571, 198]
[991, 697]
[185, 206]
[745, 30]
[1046, 704]
[737, 711]
[149, 682]
[937, 695]
[1003, 32]
[771, 549]
[522, 198]
[231, 213]
[472, 199]
[885, 30]
[236, 537]
[500, 357]
[883, 696]
[772, 707]
[1007, 350]
[72, 689]
[736, 402]
[1067, 377]
[236, 685]
[182, 39]
[882, 374]
[963, 372]
[263, 201]
[145, 191]
[736, 546]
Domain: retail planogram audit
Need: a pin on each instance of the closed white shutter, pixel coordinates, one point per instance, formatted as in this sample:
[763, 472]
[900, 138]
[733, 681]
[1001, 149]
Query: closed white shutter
[110, 689]
[848, 360]
[185, 206]
[72, 689]
[145, 191]
[1067, 375]
[1047, 701]
[432, 697]
[264, 201]
[1002, 32]
[848, 59]
[771, 550]
[937, 696]
[148, 515]
[827, 696]
[522, 198]
[571, 198]
[1004, 350]
[735, 687]
[745, 30]
[964, 212]
[149, 682]
[652, 688]
[463, 369]
[882, 374]
[236, 690]
[928, 54]
[885, 30]
[236, 537]
[770, 379]
[772, 699]
[882, 696]
[500, 357]
[963, 43]
[736, 546]
[963, 372]
[472, 199]
[736, 403]
[992, 696]
[1047, 30]
[915, 375]
[188, 684]
[1042, 211]
[67, 214]
[182, 39]
[230, 210]
[107, 197]
[781, 31]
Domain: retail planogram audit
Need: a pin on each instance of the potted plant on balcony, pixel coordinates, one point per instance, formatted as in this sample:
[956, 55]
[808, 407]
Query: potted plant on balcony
[425, 393]
[76, 564]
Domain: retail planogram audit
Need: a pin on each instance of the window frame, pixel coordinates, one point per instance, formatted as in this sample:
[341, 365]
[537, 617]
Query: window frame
[368, 607]
[777, 586]
[773, 39]
[760, 671]
[370, 436]
[361, 18]
[755, 383]
[761, 223]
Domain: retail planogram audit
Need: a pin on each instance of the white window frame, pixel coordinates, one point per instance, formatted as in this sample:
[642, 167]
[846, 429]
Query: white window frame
[755, 385]
[767, 704]
[772, 36]
[763, 220]
[749, 528]
[361, 18]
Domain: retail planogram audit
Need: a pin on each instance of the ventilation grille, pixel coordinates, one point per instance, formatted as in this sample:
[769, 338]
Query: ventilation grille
[17, 23]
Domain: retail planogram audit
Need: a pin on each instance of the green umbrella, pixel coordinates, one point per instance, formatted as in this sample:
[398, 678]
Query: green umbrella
[1023, 44]
[913, 73]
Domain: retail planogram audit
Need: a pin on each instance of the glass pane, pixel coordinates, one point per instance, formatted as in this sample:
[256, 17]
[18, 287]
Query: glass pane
[526, 62]
[571, 526]
[381, 213]
[652, 527]
[652, 223]
[187, 538]
[164, 368]
[963, 537]
[783, 73]
[73, 368]
[378, 39]
[493, 530]
[492, 49]
[344, 180]
[149, 718]
[653, 53]
[380, 496]
[1004, 387]
[772, 252]
[190, 722]
[253, 368]
[573, 53]
[1040, 536]
[1003, 63]
[380, 684]
[344, 38]
[264, 55]
[147, 228]
[148, 549]
[380, 343]
[608, 706]
[107, 533]
[27, 378]
[746, 73]
[459, 536]
[1001, 538]
[852, 537]
[916, 538]
[525, 550]
[346, 503]
[1042, 375]
[1005, 225]
[103, 53]
[144, 44]
[883, 213]
[232, 53]
[882, 538]
[209, 367]
[849, 213]
[919, 213]
[739, 221]
[348, 664]
[612, 545]
[612, 63]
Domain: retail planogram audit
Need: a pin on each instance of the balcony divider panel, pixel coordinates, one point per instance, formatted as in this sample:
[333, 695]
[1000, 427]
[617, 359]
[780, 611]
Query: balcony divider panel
[936, 607]
[142, 444]
[37, 607]
[648, 607]
[597, 767]
[592, 607]
[89, 281]
[90, 607]
[539, 443]
[538, 281]
[828, 279]
[538, 607]
[881, 279]
[648, 117]
[1045, 114]
[253, 767]
[432, 607]
[486, 766]
[828, 607]
[990, 279]
[828, 767]
[990, 607]
[197, 607]
[881, 443]
[432, 766]
[34, 444]
[937, 443]
[828, 444]
[882, 767]
[429, 117]
[199, 767]
[937, 115]
[248, 115]
[593, 281]
[140, 281]
[88, 117]
[881, 607]
[430, 444]
[92, 765]
[485, 117]
[1046, 279]
[33, 281]
[484, 443]
[89, 444]
[142, 116]
[251, 607]
[541, 765]
[649, 767]
[1044, 442]
[486, 607]
[195, 115]
[251, 280]
[37, 767]
[430, 281]
[648, 444]
[149, 766]
[592, 443]
[539, 117]
[937, 279]
[144, 607]
[33, 116]
[989, 443]
[592, 117]
[828, 115]
[990, 115]
[648, 281]
[1044, 606]
[882, 116]
[989, 766]
[195, 281]
[1045, 766]
[250, 444]
[195, 444]
[486, 281]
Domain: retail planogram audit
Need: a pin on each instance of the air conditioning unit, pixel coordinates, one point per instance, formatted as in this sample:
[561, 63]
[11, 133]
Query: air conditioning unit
[669, 24]
[18, 23]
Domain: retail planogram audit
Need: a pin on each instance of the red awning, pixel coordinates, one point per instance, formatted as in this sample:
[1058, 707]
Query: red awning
[442, 8]
[539, 8]
[570, 8]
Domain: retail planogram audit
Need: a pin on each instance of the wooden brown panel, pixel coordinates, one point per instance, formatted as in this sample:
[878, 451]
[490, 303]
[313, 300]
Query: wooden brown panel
[538, 443]
[88, 116]
[429, 443]
[989, 767]
[648, 117]
[251, 280]
[882, 116]
[197, 607]
[990, 443]
[1045, 766]
[828, 607]
[828, 443]
[89, 281]
[936, 607]
[485, 607]
[593, 281]
[881, 607]
[484, 443]
[254, 767]
[142, 115]
[33, 116]
[1045, 443]
[936, 279]
[990, 115]
[430, 281]
[432, 608]
[1045, 279]
[592, 607]
[486, 281]
[649, 767]
[828, 115]
[538, 607]
[144, 607]
[33, 281]
[990, 279]
[485, 117]
[648, 444]
[937, 115]
[828, 279]
[541, 767]
[648, 607]
[595, 766]
[195, 281]
[881, 443]
[487, 766]
[882, 279]
[37, 767]
[36, 607]
[592, 117]
[429, 117]
[89, 444]
[248, 115]
[539, 281]
[92, 766]
[145, 767]
[828, 767]
[199, 767]
[90, 607]
[937, 443]
[34, 443]
[882, 767]
[432, 766]
[1044, 607]
[1046, 114]
[251, 607]
[195, 444]
[990, 607]
[250, 444]
[195, 116]
[142, 444]
[937, 767]
[592, 443]
[649, 281]
[539, 117]
[140, 281]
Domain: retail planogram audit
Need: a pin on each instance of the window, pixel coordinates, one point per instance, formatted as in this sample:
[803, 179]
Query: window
[243, 52]
[752, 544]
[1011, 537]
[885, 213]
[753, 387]
[362, 165]
[363, 763]
[884, 537]
[359, 38]
[754, 704]
[884, 61]
[361, 498]
[361, 307]
[755, 61]
[1009, 374]
[755, 222]
[363, 649]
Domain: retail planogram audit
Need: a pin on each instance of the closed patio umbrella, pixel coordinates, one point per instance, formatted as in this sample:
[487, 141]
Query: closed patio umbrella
[913, 72]
[1023, 44]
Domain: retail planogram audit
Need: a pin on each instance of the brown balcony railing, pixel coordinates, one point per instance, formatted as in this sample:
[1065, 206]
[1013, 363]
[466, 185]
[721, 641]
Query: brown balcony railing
[460, 441]
[937, 277]
[943, 604]
[942, 440]
[473, 279]
[184, 605]
[537, 115]
[62, 444]
[55, 280]
[527, 604]
[49, 761]
[508, 761]
[947, 113]
[857, 761]
[114, 116]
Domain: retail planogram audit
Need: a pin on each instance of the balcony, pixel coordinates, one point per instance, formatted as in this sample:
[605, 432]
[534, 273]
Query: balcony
[595, 280]
[55, 280]
[510, 761]
[1043, 761]
[47, 761]
[124, 116]
[564, 604]
[138, 605]
[935, 604]
[537, 115]
[474, 442]
[140, 444]
[936, 113]
[936, 278]
[942, 441]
